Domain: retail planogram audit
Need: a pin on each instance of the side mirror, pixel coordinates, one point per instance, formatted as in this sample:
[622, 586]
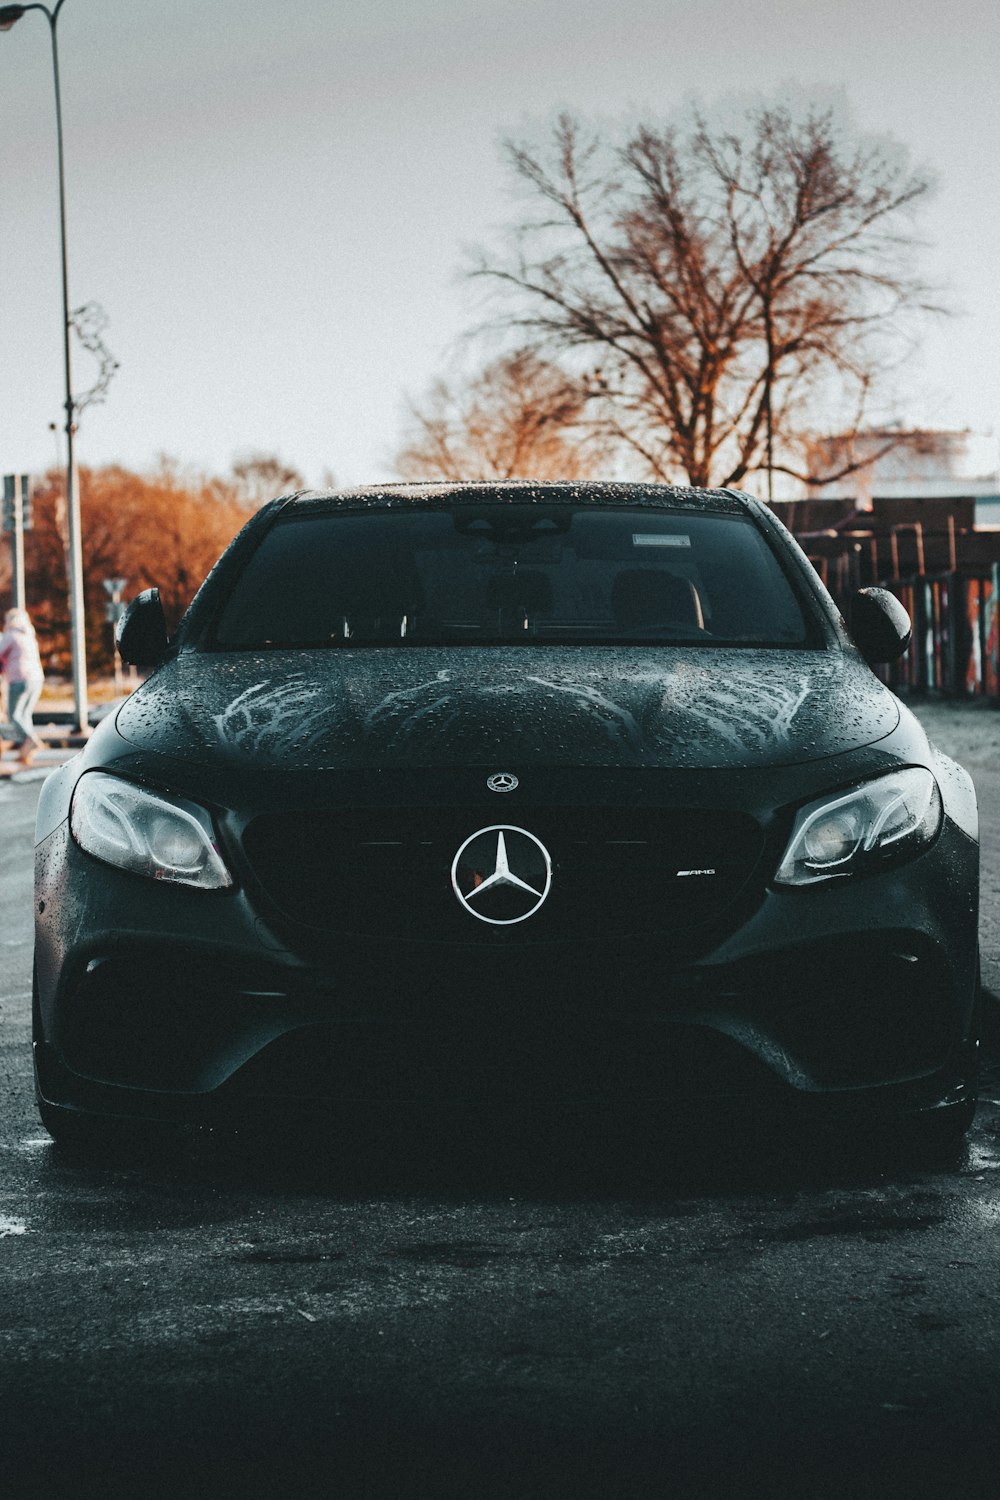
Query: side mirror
[141, 633]
[880, 626]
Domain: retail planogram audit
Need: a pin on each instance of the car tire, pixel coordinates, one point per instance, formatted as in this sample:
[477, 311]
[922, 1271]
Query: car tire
[944, 1129]
[78, 1135]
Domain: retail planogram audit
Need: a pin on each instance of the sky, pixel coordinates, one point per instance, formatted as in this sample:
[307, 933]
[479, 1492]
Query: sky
[275, 202]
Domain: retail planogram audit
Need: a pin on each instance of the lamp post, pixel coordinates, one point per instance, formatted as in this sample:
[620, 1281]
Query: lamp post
[9, 15]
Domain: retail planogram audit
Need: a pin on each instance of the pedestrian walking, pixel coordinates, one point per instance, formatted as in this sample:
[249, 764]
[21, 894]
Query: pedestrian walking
[22, 670]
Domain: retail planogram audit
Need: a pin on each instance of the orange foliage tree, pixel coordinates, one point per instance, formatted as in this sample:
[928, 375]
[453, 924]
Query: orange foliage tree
[164, 529]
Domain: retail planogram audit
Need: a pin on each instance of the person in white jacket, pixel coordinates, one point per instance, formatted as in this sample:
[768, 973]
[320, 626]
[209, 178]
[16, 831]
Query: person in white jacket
[22, 669]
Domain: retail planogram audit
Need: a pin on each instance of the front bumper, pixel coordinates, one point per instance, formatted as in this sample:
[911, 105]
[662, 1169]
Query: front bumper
[155, 1001]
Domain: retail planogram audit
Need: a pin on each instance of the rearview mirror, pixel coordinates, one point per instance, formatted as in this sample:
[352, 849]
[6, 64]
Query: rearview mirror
[141, 633]
[880, 626]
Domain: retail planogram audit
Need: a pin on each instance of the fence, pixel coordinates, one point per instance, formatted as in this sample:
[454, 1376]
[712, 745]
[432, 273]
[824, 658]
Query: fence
[956, 634]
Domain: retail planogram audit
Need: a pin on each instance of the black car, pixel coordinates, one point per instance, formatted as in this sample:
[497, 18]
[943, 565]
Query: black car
[504, 794]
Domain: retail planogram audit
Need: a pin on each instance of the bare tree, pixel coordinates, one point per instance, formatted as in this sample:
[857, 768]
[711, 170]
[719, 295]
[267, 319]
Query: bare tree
[716, 290]
[259, 477]
[517, 419]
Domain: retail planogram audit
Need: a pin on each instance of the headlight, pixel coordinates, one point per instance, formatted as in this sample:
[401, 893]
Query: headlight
[145, 832]
[863, 829]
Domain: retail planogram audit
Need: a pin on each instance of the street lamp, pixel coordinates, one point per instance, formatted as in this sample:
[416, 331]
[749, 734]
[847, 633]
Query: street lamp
[9, 15]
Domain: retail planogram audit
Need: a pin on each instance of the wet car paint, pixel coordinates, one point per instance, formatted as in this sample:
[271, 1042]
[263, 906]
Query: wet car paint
[588, 706]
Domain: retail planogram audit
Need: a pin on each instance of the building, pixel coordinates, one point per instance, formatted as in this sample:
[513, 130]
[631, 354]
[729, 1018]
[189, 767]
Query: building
[911, 464]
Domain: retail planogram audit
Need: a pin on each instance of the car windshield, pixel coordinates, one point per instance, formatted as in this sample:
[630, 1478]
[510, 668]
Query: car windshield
[511, 573]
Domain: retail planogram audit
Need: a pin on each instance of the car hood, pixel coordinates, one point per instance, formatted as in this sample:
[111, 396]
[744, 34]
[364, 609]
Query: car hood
[509, 707]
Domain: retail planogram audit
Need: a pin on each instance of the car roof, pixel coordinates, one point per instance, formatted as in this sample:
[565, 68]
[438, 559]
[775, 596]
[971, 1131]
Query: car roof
[518, 491]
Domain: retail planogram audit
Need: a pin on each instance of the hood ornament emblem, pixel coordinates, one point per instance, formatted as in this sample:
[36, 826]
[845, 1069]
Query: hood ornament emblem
[503, 781]
[502, 874]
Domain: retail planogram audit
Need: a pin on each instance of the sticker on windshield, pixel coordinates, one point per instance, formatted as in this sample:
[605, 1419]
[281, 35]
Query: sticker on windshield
[659, 539]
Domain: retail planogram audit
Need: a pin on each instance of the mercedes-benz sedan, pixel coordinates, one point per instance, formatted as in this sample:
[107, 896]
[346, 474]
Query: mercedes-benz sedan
[496, 795]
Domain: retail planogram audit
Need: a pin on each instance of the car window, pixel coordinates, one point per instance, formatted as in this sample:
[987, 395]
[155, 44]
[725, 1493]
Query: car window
[477, 574]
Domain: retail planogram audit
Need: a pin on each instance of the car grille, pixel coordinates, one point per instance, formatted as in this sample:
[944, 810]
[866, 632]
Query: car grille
[537, 1062]
[387, 873]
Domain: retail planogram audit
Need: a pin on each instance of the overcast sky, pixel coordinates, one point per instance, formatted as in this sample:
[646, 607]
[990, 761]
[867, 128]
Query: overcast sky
[272, 199]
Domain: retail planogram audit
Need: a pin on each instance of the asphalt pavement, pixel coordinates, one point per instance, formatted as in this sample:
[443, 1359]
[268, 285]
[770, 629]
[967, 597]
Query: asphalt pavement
[515, 1308]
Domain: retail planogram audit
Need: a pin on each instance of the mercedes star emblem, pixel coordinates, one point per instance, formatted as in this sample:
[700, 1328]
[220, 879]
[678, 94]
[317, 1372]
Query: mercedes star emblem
[502, 874]
[503, 781]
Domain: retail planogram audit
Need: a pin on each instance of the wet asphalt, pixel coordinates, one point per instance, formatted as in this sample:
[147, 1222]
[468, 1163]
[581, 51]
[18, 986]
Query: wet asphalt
[516, 1308]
